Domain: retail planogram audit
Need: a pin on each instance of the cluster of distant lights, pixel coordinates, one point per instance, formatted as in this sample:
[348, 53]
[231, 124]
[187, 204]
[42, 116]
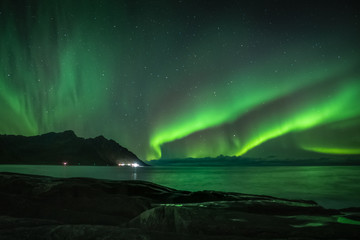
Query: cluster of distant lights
[119, 164]
[128, 164]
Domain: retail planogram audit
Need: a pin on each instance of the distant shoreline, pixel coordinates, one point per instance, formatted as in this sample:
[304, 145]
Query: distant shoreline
[242, 161]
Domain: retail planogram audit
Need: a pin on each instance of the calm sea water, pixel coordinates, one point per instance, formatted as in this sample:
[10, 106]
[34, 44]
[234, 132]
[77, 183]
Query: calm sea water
[330, 186]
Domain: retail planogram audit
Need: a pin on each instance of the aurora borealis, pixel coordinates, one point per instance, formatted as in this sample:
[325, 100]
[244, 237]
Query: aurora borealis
[172, 79]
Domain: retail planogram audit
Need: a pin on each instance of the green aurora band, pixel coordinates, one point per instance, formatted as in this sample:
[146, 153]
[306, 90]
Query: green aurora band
[341, 105]
[168, 85]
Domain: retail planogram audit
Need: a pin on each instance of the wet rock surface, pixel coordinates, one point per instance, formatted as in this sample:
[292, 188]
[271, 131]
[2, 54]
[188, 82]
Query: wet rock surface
[39, 207]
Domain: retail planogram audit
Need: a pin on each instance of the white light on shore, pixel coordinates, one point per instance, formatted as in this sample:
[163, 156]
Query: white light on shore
[129, 164]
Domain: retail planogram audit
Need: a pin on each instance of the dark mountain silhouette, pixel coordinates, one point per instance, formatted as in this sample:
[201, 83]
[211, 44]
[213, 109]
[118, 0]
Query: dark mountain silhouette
[65, 147]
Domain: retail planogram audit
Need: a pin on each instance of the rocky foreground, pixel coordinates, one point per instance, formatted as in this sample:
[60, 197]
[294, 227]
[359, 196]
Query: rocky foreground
[38, 207]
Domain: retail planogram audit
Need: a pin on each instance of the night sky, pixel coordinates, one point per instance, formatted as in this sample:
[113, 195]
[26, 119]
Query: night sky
[173, 79]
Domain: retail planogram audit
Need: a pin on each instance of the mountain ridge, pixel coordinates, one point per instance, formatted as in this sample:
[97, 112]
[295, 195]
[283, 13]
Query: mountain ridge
[64, 148]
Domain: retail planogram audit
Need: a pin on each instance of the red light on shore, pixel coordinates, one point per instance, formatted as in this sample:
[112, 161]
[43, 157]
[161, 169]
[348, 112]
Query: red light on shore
[65, 163]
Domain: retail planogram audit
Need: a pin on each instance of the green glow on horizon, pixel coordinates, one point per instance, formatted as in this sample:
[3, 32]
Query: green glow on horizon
[345, 220]
[334, 150]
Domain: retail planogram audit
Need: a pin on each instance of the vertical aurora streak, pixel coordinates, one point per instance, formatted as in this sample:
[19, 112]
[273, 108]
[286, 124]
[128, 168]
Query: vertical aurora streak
[183, 79]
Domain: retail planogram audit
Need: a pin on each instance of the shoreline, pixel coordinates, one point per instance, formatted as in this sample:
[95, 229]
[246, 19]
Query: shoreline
[324, 187]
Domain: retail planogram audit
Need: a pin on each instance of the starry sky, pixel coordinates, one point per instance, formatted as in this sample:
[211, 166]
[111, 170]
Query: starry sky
[187, 78]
